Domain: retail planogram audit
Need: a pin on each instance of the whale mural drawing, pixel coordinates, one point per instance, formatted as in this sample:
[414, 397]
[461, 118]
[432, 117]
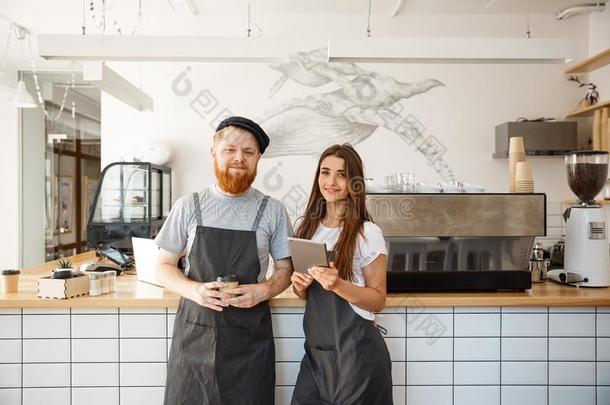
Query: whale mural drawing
[363, 102]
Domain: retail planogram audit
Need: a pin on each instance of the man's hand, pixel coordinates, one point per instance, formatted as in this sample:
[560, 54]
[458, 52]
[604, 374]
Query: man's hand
[247, 295]
[207, 295]
[328, 277]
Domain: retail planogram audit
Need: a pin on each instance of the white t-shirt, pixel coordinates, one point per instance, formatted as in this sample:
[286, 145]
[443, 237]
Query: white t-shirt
[368, 248]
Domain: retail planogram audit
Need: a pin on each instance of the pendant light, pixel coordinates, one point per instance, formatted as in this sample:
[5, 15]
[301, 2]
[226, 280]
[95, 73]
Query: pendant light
[21, 98]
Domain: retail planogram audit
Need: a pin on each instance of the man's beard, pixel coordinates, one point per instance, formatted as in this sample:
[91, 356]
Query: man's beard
[231, 183]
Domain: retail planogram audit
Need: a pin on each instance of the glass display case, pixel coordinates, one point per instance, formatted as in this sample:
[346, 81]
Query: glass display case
[132, 199]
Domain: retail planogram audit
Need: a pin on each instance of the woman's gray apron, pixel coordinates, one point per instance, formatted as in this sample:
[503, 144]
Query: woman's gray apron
[228, 357]
[346, 360]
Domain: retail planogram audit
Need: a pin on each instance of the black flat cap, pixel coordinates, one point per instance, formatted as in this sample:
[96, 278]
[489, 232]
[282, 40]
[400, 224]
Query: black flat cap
[249, 125]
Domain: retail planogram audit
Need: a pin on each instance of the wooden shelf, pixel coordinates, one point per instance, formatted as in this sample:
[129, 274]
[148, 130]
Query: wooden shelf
[588, 112]
[593, 63]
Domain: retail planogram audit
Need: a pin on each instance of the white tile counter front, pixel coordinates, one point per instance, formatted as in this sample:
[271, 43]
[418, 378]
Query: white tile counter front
[442, 355]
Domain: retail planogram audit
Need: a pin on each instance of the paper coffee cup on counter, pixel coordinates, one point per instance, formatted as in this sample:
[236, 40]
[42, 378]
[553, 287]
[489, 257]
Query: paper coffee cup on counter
[9, 281]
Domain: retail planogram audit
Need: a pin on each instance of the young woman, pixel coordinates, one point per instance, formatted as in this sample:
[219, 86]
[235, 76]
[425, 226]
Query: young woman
[346, 360]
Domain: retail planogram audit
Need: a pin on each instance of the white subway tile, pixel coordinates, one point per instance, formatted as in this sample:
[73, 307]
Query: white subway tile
[10, 351]
[9, 311]
[477, 325]
[553, 232]
[413, 311]
[286, 373]
[578, 349]
[572, 325]
[603, 396]
[603, 349]
[46, 375]
[439, 395]
[398, 395]
[604, 309]
[141, 326]
[95, 350]
[142, 395]
[554, 208]
[571, 395]
[477, 395]
[95, 326]
[395, 324]
[576, 309]
[170, 324]
[473, 373]
[289, 349]
[46, 350]
[287, 325]
[396, 347]
[287, 310]
[553, 221]
[429, 373]
[95, 396]
[524, 395]
[476, 310]
[431, 326]
[99, 311]
[283, 395]
[10, 396]
[421, 349]
[399, 373]
[159, 310]
[10, 375]
[603, 373]
[603, 325]
[524, 349]
[524, 324]
[524, 373]
[477, 348]
[46, 326]
[46, 396]
[150, 374]
[143, 350]
[46, 311]
[169, 347]
[95, 374]
[11, 327]
[527, 310]
[572, 373]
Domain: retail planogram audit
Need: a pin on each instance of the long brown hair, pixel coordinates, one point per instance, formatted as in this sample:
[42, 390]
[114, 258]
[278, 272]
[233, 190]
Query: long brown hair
[355, 209]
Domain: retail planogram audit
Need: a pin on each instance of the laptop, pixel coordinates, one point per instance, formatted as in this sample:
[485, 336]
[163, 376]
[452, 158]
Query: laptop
[145, 253]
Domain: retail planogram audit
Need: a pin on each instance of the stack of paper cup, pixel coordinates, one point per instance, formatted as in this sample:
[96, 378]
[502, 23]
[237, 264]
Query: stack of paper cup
[516, 153]
[524, 180]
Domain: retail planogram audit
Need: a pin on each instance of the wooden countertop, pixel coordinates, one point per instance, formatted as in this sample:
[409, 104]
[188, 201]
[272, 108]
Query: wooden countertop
[131, 293]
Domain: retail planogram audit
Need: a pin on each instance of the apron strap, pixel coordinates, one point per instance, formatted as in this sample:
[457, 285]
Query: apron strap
[197, 209]
[259, 214]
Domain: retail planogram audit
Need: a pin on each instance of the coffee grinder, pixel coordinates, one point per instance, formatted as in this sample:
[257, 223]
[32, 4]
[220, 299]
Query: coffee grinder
[587, 259]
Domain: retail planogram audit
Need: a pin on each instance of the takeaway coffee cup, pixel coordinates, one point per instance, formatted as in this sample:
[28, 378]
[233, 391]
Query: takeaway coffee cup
[231, 281]
[9, 281]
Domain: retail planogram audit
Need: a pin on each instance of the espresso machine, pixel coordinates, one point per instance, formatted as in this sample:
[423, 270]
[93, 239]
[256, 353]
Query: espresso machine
[586, 257]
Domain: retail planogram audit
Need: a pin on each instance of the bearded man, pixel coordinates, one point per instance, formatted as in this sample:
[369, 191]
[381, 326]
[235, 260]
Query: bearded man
[222, 348]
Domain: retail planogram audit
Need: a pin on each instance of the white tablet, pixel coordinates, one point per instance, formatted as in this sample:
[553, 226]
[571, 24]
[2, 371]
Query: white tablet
[306, 254]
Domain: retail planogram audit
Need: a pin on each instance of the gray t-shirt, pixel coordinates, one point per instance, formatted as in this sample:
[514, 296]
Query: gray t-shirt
[219, 210]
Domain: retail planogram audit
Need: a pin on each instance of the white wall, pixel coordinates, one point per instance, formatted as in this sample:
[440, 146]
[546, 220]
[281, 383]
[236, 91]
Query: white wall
[462, 115]
[599, 40]
[9, 167]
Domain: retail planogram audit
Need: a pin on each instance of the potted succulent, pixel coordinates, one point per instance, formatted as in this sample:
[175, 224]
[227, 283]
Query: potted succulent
[64, 269]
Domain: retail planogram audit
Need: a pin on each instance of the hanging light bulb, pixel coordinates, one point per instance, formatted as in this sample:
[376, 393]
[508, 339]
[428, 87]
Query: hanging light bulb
[21, 98]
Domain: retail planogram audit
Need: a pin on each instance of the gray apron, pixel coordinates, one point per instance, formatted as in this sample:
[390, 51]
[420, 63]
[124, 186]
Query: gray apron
[228, 357]
[346, 360]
